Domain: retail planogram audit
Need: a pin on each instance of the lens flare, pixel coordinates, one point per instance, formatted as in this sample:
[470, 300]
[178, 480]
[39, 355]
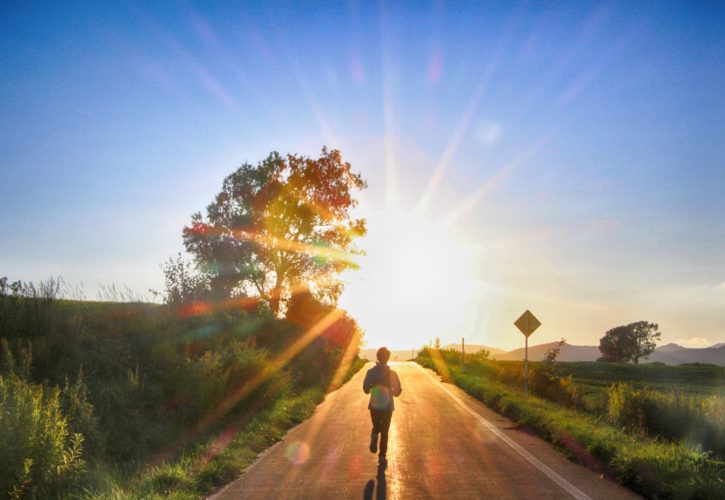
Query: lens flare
[297, 453]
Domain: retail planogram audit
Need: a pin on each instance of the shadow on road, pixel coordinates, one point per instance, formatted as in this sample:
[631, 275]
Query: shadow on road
[381, 490]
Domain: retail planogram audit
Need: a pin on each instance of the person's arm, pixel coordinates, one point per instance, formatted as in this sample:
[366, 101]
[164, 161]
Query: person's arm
[367, 383]
[395, 384]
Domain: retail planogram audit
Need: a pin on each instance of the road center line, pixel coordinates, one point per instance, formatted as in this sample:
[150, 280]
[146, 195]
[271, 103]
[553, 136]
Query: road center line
[565, 485]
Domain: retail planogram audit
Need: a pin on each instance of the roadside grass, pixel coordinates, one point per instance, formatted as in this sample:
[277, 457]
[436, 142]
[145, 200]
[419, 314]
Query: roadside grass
[653, 467]
[219, 459]
[133, 400]
[222, 455]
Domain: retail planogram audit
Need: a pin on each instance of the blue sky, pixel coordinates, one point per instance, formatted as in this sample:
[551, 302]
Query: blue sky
[592, 133]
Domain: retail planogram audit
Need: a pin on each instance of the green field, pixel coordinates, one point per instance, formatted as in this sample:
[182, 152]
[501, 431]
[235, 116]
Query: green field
[595, 379]
[657, 429]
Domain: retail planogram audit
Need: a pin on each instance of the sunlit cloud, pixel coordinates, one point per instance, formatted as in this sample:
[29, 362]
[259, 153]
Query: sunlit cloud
[697, 342]
[721, 286]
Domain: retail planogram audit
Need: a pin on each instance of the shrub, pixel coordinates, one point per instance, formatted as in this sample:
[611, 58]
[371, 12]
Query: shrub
[675, 416]
[37, 453]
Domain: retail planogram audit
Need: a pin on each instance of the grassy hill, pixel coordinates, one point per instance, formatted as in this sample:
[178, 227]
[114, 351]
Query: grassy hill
[131, 397]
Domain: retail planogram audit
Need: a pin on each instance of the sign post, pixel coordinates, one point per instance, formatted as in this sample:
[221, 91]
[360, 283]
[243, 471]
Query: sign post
[527, 324]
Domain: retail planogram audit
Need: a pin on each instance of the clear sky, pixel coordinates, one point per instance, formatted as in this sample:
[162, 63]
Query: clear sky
[563, 157]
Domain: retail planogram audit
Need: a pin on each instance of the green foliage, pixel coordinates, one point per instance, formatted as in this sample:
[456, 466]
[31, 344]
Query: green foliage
[629, 342]
[137, 383]
[39, 456]
[696, 421]
[280, 223]
[648, 465]
[182, 283]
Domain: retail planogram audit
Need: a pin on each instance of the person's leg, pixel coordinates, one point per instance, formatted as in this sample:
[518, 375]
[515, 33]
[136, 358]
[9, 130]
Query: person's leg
[375, 417]
[384, 426]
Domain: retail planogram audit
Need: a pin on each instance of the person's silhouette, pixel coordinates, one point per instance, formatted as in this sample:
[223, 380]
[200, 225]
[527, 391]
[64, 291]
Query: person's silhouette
[383, 385]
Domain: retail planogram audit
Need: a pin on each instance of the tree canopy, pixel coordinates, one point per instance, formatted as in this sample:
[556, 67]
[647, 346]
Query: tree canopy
[629, 342]
[282, 224]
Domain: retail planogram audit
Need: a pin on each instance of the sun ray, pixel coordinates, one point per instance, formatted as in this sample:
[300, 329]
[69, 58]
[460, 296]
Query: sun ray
[260, 378]
[391, 174]
[440, 364]
[314, 426]
[467, 204]
[463, 123]
[321, 252]
[457, 136]
[212, 84]
[346, 360]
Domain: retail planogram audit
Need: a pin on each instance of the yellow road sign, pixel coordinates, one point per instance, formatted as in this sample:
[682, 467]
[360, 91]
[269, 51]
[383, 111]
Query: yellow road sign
[527, 323]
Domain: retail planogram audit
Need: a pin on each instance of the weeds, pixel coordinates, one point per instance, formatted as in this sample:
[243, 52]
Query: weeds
[652, 466]
[143, 399]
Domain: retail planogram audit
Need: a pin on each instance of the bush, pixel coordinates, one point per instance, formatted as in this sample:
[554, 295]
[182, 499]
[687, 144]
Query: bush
[698, 422]
[647, 465]
[140, 383]
[39, 456]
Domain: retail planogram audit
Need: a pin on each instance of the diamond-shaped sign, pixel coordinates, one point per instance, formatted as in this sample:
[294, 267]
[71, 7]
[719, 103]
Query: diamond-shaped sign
[527, 323]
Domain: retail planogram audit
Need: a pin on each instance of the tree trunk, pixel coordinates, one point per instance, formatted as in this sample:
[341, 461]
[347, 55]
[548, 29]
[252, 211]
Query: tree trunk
[276, 295]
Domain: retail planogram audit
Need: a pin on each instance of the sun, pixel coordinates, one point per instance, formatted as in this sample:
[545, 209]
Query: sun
[414, 283]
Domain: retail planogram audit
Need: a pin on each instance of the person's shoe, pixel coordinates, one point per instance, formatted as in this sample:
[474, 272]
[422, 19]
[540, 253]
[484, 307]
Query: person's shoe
[382, 460]
[373, 442]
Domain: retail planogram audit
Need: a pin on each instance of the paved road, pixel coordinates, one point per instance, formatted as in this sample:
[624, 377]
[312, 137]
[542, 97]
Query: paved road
[443, 444]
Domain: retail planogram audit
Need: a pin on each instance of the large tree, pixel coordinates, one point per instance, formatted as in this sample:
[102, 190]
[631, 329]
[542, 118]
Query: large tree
[629, 342]
[282, 224]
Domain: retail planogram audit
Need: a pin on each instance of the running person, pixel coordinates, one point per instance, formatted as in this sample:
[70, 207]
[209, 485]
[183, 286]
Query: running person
[383, 385]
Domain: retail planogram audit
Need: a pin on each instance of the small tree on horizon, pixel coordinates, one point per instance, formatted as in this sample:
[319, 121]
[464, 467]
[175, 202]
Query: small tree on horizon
[629, 342]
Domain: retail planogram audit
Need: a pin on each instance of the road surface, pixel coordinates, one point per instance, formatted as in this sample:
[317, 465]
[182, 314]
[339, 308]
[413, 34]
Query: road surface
[443, 444]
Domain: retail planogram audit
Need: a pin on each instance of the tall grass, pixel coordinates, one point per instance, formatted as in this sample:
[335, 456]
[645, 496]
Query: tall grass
[133, 386]
[652, 466]
[38, 454]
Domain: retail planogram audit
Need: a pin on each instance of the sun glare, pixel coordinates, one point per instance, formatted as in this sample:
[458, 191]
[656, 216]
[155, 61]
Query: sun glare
[413, 284]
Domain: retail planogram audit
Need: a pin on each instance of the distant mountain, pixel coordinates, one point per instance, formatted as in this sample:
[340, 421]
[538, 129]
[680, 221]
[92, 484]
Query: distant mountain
[671, 347]
[670, 354]
[713, 355]
[474, 348]
[568, 352]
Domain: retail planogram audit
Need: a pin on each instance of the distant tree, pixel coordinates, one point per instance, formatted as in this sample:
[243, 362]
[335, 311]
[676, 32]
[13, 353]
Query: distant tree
[279, 225]
[629, 342]
[553, 352]
[182, 283]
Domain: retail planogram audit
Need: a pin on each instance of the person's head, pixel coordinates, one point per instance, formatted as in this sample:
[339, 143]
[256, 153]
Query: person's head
[383, 355]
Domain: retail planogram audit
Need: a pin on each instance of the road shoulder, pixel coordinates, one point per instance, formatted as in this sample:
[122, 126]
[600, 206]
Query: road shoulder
[594, 484]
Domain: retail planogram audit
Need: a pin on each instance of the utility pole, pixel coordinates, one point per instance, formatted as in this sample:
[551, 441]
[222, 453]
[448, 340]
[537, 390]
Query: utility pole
[463, 351]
